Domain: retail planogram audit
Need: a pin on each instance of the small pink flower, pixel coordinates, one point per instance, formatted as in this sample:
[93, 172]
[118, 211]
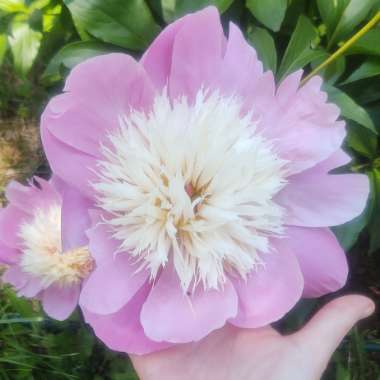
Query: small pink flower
[212, 186]
[42, 242]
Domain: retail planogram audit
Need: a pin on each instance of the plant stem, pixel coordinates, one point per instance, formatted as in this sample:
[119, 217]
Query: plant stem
[374, 20]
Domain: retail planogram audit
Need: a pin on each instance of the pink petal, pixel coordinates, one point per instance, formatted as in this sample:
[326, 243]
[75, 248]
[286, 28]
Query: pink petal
[29, 198]
[323, 262]
[122, 331]
[31, 288]
[172, 316]
[112, 284]
[73, 166]
[101, 243]
[271, 291]
[197, 54]
[75, 219]
[16, 277]
[11, 219]
[303, 116]
[317, 199]
[8, 255]
[60, 302]
[242, 74]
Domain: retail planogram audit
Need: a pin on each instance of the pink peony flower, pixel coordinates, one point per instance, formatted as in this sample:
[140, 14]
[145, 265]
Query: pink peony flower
[43, 244]
[212, 188]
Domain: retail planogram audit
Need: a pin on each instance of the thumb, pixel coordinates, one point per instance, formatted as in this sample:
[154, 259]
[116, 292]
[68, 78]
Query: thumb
[323, 333]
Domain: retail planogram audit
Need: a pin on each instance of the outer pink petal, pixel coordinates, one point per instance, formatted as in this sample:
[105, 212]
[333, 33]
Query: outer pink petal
[60, 302]
[75, 219]
[323, 262]
[112, 284]
[16, 277]
[172, 316]
[122, 331]
[303, 115]
[29, 198]
[271, 291]
[317, 199]
[242, 74]
[11, 219]
[72, 165]
[32, 288]
[197, 54]
[8, 255]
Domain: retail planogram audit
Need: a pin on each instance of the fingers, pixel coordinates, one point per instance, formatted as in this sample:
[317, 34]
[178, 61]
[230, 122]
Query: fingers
[323, 333]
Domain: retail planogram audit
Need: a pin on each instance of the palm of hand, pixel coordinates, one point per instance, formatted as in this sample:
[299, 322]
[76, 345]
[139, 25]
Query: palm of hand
[259, 354]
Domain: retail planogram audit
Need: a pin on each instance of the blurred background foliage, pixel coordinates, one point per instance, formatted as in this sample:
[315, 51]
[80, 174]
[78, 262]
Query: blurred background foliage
[41, 40]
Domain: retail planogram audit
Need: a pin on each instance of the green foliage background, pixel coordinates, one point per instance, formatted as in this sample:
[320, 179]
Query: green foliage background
[41, 40]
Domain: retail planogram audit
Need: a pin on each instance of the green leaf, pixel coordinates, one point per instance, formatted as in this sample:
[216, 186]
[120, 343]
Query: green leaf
[264, 45]
[349, 108]
[362, 140]
[270, 12]
[24, 43]
[368, 69]
[352, 14]
[333, 71]
[128, 24]
[298, 52]
[367, 44]
[173, 9]
[375, 220]
[330, 12]
[3, 47]
[70, 55]
[13, 6]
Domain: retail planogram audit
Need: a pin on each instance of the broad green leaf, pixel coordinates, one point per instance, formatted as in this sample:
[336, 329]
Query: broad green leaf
[128, 24]
[173, 9]
[13, 6]
[270, 12]
[362, 140]
[349, 108]
[24, 43]
[331, 11]
[70, 55]
[354, 12]
[368, 69]
[375, 220]
[3, 47]
[333, 71]
[367, 44]
[264, 45]
[50, 17]
[299, 49]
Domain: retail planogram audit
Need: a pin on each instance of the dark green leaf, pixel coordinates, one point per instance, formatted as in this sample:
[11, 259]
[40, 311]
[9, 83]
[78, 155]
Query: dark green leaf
[333, 71]
[70, 55]
[362, 140]
[270, 12]
[128, 24]
[3, 47]
[173, 9]
[264, 45]
[368, 69]
[349, 108]
[298, 51]
[367, 44]
[24, 44]
[354, 12]
[330, 12]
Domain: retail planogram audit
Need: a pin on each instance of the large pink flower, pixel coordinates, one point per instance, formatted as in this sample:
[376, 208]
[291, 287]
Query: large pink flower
[43, 243]
[212, 188]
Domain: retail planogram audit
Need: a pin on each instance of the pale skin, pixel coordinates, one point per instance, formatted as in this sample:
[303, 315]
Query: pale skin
[260, 354]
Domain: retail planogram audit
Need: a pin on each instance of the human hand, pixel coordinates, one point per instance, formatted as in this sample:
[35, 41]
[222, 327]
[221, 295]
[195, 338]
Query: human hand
[260, 354]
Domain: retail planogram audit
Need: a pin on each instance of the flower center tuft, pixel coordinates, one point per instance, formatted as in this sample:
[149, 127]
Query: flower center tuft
[192, 183]
[42, 256]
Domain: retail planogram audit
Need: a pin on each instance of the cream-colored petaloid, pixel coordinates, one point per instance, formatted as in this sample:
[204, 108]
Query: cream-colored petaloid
[195, 181]
[42, 254]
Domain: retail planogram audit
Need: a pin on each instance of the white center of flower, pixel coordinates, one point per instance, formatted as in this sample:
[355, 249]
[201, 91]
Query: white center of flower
[42, 256]
[194, 183]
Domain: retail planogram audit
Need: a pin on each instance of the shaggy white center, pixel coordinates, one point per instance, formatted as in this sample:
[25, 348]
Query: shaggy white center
[194, 183]
[42, 254]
